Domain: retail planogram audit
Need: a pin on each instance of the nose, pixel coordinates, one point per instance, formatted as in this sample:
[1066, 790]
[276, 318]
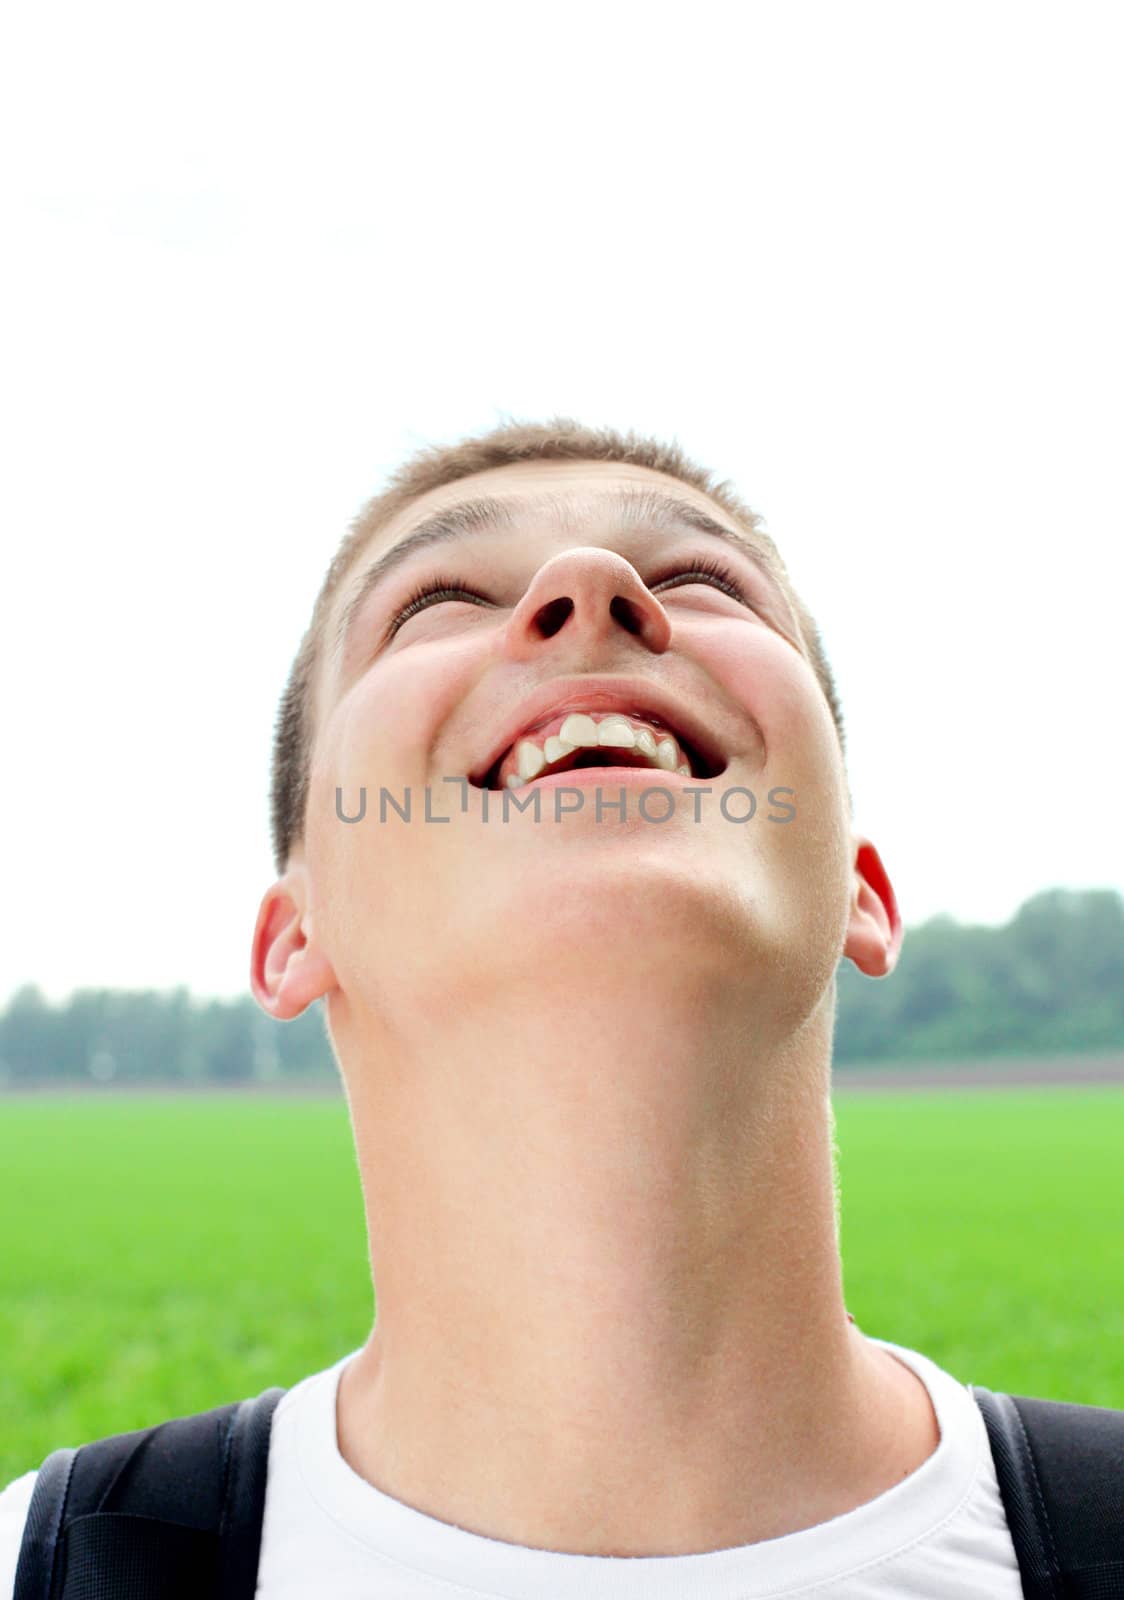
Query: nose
[591, 596]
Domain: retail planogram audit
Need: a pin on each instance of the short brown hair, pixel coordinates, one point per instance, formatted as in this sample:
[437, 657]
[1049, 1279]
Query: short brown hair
[560, 439]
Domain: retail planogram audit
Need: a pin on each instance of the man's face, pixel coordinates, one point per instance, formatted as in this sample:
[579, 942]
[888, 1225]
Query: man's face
[576, 606]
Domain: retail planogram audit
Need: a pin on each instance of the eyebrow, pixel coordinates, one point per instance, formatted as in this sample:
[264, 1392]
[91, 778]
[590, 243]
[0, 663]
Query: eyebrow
[647, 508]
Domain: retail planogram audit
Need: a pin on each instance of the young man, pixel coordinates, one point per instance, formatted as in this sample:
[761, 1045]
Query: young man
[587, 1053]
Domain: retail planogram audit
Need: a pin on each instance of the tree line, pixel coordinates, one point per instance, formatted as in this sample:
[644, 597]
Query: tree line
[1048, 982]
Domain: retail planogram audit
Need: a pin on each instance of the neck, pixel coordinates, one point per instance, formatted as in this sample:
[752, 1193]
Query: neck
[610, 1316]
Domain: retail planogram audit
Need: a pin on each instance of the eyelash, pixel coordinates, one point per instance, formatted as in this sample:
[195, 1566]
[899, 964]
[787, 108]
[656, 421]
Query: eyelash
[449, 588]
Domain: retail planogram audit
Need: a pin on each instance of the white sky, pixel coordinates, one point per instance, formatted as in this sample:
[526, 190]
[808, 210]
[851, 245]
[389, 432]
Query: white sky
[864, 260]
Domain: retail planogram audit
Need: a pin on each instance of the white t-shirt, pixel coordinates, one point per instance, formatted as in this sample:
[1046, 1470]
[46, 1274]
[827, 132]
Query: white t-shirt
[939, 1534]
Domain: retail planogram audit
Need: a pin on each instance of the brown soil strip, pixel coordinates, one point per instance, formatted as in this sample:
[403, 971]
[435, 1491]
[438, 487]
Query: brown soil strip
[1047, 1071]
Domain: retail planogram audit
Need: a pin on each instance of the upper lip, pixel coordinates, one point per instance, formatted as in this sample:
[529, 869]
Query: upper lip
[636, 695]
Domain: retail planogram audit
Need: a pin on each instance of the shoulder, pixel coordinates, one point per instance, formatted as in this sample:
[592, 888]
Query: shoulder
[14, 1502]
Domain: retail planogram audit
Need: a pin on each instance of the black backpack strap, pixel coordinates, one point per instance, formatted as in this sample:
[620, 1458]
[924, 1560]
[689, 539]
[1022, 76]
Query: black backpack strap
[1060, 1468]
[42, 1528]
[244, 1500]
[162, 1513]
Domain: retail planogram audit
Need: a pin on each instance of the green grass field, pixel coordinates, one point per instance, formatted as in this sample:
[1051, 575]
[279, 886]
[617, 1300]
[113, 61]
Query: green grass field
[162, 1255]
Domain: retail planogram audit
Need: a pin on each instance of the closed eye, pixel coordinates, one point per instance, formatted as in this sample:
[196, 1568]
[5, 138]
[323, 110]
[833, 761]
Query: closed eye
[436, 590]
[708, 571]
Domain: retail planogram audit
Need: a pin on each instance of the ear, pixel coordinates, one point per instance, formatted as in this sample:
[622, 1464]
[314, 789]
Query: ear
[288, 970]
[874, 929]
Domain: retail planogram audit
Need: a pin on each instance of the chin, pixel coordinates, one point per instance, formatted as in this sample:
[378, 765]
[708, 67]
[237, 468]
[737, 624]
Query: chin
[646, 906]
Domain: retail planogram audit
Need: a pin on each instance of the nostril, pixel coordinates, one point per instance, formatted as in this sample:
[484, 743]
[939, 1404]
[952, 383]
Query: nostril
[549, 618]
[627, 614]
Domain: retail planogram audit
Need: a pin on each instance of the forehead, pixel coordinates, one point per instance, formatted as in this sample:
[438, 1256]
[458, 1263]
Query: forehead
[577, 492]
[580, 484]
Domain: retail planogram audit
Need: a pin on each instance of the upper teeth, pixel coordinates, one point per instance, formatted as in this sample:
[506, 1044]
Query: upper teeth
[580, 731]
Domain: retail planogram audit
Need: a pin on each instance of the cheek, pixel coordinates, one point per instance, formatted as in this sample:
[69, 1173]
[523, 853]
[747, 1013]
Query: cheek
[387, 721]
[797, 720]
[773, 684]
[381, 734]
[776, 687]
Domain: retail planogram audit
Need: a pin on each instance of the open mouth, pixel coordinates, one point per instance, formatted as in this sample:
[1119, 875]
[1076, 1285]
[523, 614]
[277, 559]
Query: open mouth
[571, 740]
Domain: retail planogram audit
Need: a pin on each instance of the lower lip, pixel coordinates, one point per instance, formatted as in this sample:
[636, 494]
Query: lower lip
[603, 777]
